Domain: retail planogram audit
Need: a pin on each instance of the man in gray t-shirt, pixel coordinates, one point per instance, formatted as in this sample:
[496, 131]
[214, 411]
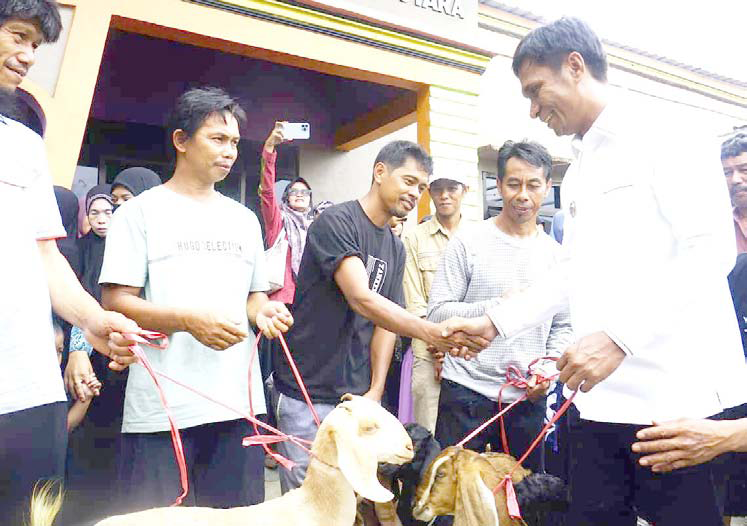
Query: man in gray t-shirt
[198, 258]
[493, 260]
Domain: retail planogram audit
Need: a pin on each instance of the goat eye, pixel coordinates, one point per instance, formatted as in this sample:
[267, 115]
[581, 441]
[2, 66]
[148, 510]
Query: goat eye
[369, 428]
[440, 475]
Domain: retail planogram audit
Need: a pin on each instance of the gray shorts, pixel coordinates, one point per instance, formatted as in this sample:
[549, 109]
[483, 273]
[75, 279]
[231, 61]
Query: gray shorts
[294, 418]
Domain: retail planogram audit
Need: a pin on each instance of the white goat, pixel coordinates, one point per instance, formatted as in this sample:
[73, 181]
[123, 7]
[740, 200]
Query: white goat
[352, 440]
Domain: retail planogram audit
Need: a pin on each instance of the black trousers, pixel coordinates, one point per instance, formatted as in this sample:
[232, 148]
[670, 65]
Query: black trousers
[461, 410]
[609, 487]
[32, 448]
[730, 471]
[222, 473]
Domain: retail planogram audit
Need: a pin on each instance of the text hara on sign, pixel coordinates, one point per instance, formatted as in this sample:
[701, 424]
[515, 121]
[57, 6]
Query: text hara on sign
[448, 7]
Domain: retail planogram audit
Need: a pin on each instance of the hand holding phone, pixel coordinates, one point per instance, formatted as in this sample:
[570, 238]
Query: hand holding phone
[296, 130]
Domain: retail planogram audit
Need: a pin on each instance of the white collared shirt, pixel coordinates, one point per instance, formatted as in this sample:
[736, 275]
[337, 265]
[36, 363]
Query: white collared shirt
[648, 245]
[30, 374]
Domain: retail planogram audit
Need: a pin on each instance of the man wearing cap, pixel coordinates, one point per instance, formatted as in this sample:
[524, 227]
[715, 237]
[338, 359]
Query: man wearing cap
[495, 259]
[424, 247]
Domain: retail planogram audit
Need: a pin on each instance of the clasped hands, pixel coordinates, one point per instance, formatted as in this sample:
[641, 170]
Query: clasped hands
[80, 380]
[582, 366]
[460, 337]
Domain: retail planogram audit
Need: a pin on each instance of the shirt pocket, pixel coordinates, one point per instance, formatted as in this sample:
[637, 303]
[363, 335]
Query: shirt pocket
[622, 217]
[616, 197]
[428, 261]
[427, 265]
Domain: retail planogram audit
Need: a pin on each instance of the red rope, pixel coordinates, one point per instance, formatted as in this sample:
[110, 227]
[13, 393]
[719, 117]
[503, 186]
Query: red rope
[477, 431]
[152, 339]
[511, 502]
[299, 380]
[264, 440]
[514, 378]
[146, 338]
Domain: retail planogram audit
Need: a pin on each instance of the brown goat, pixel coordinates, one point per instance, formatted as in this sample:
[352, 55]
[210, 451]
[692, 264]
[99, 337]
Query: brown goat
[460, 482]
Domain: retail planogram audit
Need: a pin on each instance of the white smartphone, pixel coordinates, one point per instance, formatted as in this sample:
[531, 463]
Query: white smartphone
[296, 130]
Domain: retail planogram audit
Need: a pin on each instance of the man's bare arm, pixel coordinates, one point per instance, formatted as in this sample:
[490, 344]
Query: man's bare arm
[352, 279]
[103, 329]
[214, 330]
[382, 349]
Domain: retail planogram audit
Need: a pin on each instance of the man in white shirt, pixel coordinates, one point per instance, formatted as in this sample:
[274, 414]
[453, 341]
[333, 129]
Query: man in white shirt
[34, 278]
[645, 279]
[198, 257]
[682, 443]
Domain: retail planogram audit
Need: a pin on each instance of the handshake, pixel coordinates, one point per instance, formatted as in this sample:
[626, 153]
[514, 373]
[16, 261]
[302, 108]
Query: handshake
[460, 337]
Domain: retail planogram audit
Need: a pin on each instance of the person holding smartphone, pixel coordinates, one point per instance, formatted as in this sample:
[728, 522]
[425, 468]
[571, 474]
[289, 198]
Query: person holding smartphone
[290, 217]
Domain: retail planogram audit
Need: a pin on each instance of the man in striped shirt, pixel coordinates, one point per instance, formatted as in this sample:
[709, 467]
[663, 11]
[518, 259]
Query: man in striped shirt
[497, 258]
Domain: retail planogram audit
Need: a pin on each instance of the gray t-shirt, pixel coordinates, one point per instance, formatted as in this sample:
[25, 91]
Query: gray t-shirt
[479, 267]
[188, 254]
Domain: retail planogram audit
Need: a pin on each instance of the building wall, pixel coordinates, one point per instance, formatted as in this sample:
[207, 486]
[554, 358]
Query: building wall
[457, 109]
[708, 106]
[46, 70]
[329, 44]
[504, 113]
[454, 133]
[342, 176]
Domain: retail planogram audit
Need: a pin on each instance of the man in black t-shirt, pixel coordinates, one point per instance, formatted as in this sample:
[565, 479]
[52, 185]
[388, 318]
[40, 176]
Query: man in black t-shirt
[348, 301]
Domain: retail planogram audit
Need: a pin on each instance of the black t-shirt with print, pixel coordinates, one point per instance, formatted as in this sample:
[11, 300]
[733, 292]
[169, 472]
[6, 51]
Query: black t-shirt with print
[329, 341]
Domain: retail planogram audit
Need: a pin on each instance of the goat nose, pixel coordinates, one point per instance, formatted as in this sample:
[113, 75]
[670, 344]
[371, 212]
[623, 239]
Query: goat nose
[409, 447]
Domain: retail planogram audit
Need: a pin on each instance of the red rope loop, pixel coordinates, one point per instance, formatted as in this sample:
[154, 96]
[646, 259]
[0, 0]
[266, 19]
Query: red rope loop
[160, 341]
[515, 378]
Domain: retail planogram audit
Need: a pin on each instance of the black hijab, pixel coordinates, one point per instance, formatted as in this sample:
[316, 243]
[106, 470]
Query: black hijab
[10, 104]
[92, 246]
[67, 203]
[137, 179]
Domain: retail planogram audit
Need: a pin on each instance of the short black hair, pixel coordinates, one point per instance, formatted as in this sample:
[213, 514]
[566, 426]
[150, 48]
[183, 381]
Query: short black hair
[528, 151]
[396, 153]
[45, 12]
[550, 45]
[734, 146]
[194, 106]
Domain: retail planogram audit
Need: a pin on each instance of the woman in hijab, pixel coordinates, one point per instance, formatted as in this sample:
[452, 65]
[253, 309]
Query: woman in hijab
[91, 246]
[98, 205]
[67, 203]
[132, 182]
[292, 216]
[94, 444]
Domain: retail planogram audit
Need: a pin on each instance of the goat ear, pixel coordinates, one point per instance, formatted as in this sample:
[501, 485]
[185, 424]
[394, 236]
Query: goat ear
[357, 462]
[475, 502]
